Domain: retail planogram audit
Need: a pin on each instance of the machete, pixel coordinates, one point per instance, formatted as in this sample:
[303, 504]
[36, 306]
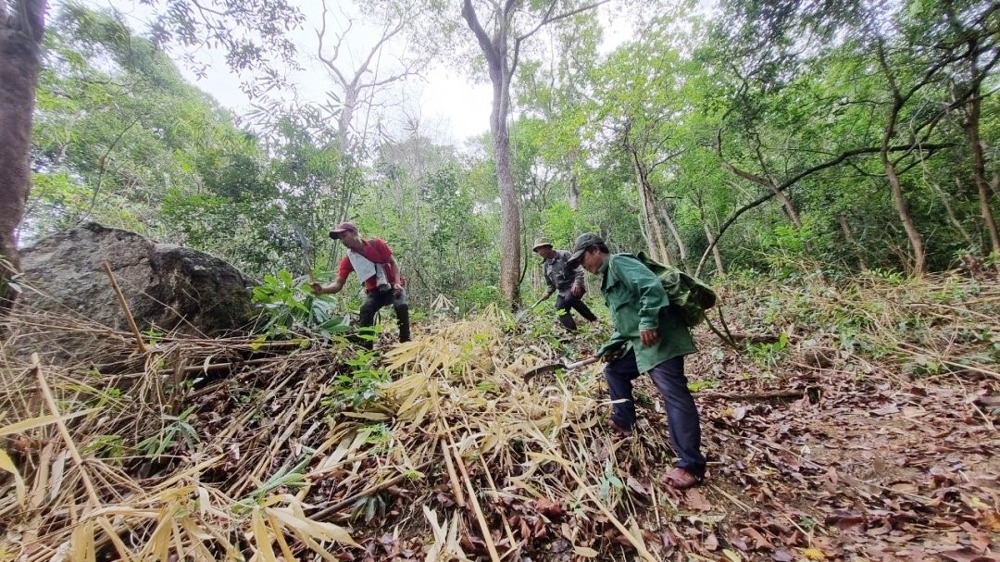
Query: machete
[552, 367]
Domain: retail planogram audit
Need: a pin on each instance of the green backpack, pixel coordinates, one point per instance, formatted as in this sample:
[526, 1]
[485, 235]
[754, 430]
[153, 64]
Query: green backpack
[688, 295]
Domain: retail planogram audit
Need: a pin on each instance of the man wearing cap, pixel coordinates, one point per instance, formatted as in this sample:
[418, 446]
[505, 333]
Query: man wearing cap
[648, 338]
[567, 281]
[375, 265]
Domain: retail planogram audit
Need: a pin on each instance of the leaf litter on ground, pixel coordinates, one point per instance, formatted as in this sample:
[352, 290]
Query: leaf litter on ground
[866, 431]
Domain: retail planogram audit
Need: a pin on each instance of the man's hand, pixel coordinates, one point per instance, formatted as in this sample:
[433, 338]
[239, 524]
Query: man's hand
[397, 289]
[545, 296]
[317, 288]
[649, 337]
[577, 290]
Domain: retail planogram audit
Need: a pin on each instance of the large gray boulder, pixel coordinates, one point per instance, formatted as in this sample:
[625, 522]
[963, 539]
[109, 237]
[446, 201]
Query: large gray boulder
[168, 288]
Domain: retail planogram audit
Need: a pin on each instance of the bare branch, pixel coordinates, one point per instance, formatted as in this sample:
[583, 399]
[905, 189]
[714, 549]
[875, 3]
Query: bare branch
[549, 19]
[795, 179]
[489, 49]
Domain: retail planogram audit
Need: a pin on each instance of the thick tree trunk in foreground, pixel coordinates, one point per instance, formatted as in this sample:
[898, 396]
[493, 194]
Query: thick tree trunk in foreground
[20, 38]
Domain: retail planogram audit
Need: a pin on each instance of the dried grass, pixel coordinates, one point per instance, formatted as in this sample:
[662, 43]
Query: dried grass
[454, 458]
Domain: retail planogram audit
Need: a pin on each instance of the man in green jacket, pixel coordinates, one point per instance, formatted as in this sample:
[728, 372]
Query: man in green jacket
[648, 337]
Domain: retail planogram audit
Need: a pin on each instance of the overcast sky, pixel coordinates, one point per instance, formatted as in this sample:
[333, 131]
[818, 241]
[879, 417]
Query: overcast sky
[449, 108]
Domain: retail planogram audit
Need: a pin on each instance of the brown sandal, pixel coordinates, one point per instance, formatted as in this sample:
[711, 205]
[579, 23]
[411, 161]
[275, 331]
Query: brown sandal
[680, 479]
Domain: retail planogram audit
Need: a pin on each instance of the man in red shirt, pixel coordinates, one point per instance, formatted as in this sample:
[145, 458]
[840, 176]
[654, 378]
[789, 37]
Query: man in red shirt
[372, 260]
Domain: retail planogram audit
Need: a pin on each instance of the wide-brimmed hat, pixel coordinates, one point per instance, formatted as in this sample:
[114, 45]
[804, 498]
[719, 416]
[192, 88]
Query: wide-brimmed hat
[342, 228]
[540, 242]
[583, 243]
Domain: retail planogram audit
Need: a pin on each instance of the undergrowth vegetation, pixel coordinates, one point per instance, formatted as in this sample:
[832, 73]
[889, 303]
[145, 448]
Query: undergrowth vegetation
[297, 443]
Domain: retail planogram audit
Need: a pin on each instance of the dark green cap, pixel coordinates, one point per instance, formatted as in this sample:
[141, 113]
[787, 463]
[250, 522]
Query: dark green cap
[541, 242]
[584, 242]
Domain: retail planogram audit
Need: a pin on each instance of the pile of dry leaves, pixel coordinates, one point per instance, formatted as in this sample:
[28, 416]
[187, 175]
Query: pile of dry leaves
[858, 423]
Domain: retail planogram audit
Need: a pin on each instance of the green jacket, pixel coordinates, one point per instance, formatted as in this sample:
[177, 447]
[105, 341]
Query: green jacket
[637, 301]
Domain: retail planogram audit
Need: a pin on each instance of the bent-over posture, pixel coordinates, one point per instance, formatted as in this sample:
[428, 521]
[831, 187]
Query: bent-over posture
[376, 267]
[648, 338]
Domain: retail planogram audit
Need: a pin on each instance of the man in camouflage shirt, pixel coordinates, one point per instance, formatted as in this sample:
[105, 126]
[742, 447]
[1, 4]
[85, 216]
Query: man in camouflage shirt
[565, 280]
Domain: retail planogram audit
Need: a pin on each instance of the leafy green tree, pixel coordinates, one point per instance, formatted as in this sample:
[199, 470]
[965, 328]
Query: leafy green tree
[513, 23]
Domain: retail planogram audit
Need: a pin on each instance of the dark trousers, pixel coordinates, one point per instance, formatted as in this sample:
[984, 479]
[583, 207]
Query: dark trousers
[682, 414]
[564, 303]
[376, 300]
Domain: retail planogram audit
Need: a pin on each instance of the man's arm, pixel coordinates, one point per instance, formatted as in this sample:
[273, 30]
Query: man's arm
[550, 285]
[579, 283]
[330, 289]
[397, 285]
[343, 271]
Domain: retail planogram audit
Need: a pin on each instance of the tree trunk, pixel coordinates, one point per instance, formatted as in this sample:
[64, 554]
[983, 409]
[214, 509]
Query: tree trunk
[654, 233]
[979, 171]
[715, 249]
[786, 204]
[903, 210]
[574, 192]
[851, 241]
[510, 209]
[681, 248]
[20, 38]
[772, 186]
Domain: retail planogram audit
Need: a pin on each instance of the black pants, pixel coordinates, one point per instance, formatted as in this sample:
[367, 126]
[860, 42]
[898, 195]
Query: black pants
[682, 414]
[564, 303]
[378, 299]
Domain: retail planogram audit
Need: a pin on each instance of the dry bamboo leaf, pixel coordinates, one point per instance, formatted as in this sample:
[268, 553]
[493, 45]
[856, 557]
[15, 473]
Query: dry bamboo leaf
[280, 538]
[58, 472]
[7, 465]
[316, 529]
[315, 547]
[82, 545]
[109, 531]
[261, 537]
[31, 423]
[371, 416]
[434, 552]
[585, 552]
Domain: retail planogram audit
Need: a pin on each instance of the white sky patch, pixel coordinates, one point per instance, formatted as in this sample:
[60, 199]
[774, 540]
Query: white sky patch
[449, 108]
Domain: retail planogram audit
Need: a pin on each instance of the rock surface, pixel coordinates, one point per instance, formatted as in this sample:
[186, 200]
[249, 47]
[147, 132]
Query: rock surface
[168, 288]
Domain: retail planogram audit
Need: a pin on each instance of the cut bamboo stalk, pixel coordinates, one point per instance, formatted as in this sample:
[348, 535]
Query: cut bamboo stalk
[483, 526]
[639, 546]
[456, 488]
[124, 305]
[50, 402]
[514, 545]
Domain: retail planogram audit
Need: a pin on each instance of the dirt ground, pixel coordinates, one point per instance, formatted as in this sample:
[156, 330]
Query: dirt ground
[863, 465]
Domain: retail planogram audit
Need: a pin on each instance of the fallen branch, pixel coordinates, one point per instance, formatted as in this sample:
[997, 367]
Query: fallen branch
[766, 395]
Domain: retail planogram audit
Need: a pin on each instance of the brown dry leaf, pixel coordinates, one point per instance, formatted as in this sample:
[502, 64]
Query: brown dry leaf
[979, 540]
[990, 521]
[711, 542]
[696, 500]
[886, 410]
[732, 555]
[782, 555]
[549, 508]
[758, 539]
[844, 520]
[636, 486]
[966, 555]
[585, 552]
